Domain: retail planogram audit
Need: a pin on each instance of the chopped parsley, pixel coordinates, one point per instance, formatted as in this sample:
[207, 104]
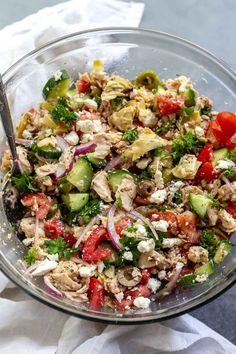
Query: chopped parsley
[25, 183]
[61, 112]
[215, 202]
[165, 127]
[60, 246]
[187, 280]
[116, 102]
[128, 244]
[31, 256]
[187, 144]
[232, 155]
[177, 199]
[130, 135]
[131, 229]
[187, 111]
[92, 208]
[228, 173]
[157, 152]
[209, 242]
[205, 111]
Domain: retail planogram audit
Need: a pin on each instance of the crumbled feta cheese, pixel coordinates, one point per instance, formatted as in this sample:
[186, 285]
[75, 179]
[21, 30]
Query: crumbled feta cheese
[161, 274]
[53, 257]
[201, 278]
[199, 131]
[87, 271]
[146, 246]
[141, 230]
[224, 164]
[100, 266]
[26, 134]
[44, 267]
[119, 296]
[88, 126]
[141, 302]
[161, 225]
[185, 82]
[175, 187]
[91, 103]
[72, 138]
[57, 75]
[158, 197]
[171, 242]
[153, 284]
[128, 256]
[87, 138]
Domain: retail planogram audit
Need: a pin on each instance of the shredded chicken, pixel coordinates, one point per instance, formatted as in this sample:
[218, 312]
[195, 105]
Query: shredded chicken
[101, 187]
[228, 222]
[27, 225]
[127, 192]
[212, 214]
[23, 160]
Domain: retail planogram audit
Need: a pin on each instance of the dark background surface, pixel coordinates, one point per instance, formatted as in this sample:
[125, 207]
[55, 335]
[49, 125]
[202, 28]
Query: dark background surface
[208, 23]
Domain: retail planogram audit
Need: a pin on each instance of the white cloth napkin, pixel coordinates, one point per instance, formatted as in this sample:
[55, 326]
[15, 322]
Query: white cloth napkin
[27, 326]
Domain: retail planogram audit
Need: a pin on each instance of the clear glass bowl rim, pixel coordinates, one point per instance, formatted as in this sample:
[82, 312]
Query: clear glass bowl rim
[100, 317]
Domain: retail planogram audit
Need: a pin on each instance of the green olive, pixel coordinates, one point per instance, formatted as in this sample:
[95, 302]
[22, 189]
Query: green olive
[148, 79]
[167, 175]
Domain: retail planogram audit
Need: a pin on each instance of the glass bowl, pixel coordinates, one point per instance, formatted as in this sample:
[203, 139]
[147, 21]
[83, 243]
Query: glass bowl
[127, 52]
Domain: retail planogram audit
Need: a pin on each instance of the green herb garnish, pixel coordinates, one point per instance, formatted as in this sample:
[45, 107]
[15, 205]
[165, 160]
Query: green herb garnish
[209, 241]
[31, 256]
[92, 208]
[187, 280]
[25, 183]
[187, 144]
[60, 246]
[130, 135]
[61, 112]
[165, 127]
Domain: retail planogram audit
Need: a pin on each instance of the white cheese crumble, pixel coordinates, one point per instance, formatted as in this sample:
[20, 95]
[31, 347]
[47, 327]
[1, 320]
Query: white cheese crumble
[141, 230]
[44, 267]
[171, 242]
[141, 302]
[72, 138]
[101, 267]
[201, 278]
[27, 241]
[88, 126]
[53, 257]
[153, 284]
[158, 197]
[128, 256]
[224, 164]
[161, 225]
[87, 138]
[91, 103]
[161, 274]
[146, 246]
[199, 131]
[87, 272]
[57, 75]
[119, 296]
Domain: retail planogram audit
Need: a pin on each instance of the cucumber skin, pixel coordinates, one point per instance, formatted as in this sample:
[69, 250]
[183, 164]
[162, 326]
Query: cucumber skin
[115, 178]
[189, 95]
[207, 268]
[53, 88]
[75, 201]
[81, 175]
[198, 205]
[222, 251]
[220, 154]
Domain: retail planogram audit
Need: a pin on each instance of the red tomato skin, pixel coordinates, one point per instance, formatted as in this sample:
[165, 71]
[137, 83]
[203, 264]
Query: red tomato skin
[54, 228]
[71, 240]
[169, 216]
[122, 224]
[139, 290]
[96, 294]
[82, 86]
[231, 209]
[146, 275]
[168, 105]
[39, 203]
[206, 172]
[90, 251]
[231, 143]
[221, 136]
[206, 154]
[187, 222]
[227, 122]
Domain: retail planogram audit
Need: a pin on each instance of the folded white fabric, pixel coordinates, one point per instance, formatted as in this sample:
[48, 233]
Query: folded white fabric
[52, 22]
[27, 326]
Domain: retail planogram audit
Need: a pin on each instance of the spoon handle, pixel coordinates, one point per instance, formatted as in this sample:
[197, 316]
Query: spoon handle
[7, 121]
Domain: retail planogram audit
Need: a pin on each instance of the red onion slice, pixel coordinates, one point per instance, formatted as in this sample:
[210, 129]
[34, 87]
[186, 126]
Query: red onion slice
[62, 171]
[167, 290]
[50, 286]
[134, 214]
[86, 229]
[84, 149]
[113, 163]
[114, 237]
[62, 143]
[24, 142]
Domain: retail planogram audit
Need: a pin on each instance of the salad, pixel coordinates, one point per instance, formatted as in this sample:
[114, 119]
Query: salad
[128, 187]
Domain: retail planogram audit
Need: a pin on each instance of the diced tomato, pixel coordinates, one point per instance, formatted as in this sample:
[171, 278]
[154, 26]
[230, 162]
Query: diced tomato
[96, 294]
[231, 208]
[146, 274]
[38, 202]
[231, 143]
[82, 86]
[168, 216]
[70, 239]
[206, 172]
[206, 153]
[221, 137]
[227, 121]
[54, 228]
[139, 290]
[188, 226]
[122, 224]
[90, 251]
[123, 304]
[168, 105]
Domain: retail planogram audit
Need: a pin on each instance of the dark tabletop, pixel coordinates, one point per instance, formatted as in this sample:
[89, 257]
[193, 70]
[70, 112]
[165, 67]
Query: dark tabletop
[208, 23]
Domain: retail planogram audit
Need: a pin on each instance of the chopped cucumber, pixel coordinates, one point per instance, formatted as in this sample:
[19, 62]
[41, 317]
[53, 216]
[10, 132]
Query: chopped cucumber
[75, 201]
[189, 96]
[114, 256]
[199, 203]
[22, 125]
[219, 154]
[95, 161]
[47, 151]
[81, 175]
[115, 178]
[57, 87]
[207, 268]
[222, 251]
[66, 187]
